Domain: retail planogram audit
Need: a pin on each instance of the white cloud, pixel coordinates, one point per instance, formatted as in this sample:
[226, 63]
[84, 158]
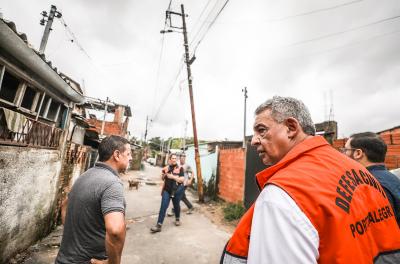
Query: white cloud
[244, 48]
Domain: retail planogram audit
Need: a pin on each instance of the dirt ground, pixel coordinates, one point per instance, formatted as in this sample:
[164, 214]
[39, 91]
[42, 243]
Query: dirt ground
[214, 211]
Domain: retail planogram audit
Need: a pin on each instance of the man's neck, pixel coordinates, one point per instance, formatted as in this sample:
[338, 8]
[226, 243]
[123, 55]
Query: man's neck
[112, 165]
[369, 164]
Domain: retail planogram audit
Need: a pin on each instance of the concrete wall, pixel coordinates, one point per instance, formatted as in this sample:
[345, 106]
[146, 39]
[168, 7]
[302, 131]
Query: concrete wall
[28, 186]
[231, 174]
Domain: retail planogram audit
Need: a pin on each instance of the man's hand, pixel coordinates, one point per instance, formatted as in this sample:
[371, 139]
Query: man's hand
[96, 261]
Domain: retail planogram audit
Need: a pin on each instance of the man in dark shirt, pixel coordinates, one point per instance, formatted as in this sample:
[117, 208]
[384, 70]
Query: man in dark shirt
[173, 177]
[94, 224]
[370, 150]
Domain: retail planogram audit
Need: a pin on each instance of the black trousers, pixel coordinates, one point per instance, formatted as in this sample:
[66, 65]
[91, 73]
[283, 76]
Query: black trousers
[185, 200]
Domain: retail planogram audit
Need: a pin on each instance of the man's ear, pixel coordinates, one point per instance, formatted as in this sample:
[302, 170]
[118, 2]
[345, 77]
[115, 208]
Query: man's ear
[293, 127]
[358, 154]
[116, 154]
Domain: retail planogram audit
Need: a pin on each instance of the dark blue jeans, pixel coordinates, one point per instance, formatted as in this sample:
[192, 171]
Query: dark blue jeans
[165, 198]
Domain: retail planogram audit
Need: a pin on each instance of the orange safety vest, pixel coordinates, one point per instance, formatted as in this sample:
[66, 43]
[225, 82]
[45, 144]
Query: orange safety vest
[361, 227]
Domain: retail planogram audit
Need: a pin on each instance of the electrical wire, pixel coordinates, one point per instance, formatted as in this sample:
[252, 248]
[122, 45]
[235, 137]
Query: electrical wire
[160, 60]
[342, 32]
[313, 11]
[164, 99]
[74, 38]
[199, 18]
[343, 46]
[210, 25]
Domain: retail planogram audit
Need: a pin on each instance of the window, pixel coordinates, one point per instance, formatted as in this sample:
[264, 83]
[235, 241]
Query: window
[44, 106]
[9, 87]
[62, 117]
[53, 110]
[38, 103]
[29, 96]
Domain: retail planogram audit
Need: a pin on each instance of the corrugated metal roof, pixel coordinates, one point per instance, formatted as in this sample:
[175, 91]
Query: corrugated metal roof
[24, 38]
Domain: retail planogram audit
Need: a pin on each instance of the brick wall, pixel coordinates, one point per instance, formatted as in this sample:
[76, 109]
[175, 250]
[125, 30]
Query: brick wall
[231, 174]
[110, 128]
[392, 139]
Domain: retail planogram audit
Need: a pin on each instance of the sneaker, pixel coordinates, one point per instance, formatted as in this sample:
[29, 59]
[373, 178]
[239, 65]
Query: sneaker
[169, 214]
[177, 222]
[190, 211]
[156, 228]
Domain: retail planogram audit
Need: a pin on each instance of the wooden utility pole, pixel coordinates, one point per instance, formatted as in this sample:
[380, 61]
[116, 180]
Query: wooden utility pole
[244, 119]
[190, 82]
[145, 133]
[53, 13]
[196, 142]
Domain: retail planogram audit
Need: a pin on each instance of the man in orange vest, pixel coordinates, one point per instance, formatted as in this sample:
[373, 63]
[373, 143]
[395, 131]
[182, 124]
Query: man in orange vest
[316, 205]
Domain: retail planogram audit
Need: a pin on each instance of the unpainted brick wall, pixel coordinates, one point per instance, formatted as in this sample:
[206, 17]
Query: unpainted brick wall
[231, 174]
[110, 128]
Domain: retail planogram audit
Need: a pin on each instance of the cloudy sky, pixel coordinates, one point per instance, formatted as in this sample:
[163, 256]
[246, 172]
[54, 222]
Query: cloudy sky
[341, 57]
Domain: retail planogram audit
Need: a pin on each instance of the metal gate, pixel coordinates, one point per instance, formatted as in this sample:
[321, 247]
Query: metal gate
[253, 166]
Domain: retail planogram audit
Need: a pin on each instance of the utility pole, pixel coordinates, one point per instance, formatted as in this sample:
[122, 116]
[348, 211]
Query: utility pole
[104, 117]
[190, 82]
[53, 13]
[244, 119]
[145, 133]
[184, 136]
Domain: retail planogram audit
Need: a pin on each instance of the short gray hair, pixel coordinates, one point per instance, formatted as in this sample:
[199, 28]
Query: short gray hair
[285, 107]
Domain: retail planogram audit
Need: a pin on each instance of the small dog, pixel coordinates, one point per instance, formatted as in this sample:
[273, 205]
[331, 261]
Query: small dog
[133, 183]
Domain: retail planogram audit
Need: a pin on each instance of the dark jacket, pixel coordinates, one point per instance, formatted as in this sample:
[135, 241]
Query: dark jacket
[391, 185]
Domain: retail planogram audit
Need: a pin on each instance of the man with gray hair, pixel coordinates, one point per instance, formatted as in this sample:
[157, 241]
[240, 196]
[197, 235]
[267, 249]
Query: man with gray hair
[316, 205]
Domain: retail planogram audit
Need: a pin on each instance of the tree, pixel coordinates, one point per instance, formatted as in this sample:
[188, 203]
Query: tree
[155, 143]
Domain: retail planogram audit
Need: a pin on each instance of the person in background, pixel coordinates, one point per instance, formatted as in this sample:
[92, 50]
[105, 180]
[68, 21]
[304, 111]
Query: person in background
[370, 150]
[173, 177]
[94, 221]
[188, 182]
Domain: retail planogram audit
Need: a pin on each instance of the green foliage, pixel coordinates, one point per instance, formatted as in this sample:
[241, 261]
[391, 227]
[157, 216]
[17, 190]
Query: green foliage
[209, 188]
[176, 143]
[155, 143]
[234, 211]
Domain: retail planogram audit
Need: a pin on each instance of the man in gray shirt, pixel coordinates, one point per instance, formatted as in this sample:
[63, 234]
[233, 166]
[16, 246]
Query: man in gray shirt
[94, 226]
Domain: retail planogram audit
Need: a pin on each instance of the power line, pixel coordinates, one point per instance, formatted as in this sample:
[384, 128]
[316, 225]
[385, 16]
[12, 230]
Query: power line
[342, 32]
[343, 46]
[198, 20]
[160, 59]
[164, 99]
[74, 38]
[210, 25]
[313, 11]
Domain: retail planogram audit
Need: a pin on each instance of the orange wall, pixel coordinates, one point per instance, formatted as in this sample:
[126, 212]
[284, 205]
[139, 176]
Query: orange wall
[110, 128]
[231, 174]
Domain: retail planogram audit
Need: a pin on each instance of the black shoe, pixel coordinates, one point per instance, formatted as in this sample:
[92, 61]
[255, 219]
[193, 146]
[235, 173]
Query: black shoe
[156, 228]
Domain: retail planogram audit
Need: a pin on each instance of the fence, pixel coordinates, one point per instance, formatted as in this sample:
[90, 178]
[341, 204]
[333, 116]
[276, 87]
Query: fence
[28, 132]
